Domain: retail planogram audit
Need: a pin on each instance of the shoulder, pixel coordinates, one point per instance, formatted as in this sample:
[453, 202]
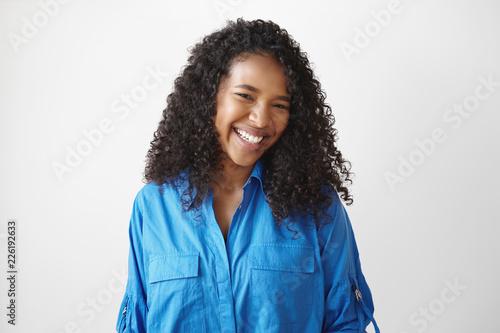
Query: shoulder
[150, 190]
[339, 228]
[155, 205]
[336, 206]
[152, 193]
[334, 212]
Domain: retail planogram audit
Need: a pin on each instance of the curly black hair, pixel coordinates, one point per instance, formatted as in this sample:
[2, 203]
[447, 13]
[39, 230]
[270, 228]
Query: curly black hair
[301, 170]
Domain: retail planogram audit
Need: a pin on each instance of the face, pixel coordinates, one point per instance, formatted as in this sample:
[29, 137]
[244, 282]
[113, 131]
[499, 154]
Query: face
[252, 108]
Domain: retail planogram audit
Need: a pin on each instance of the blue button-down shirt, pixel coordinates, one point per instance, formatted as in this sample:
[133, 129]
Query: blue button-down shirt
[183, 276]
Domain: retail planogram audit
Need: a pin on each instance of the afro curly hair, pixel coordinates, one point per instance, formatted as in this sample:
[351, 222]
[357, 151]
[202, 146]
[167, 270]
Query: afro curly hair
[304, 164]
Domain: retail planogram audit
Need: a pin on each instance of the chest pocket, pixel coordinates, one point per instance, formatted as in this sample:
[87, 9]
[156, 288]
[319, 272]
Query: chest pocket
[282, 283]
[175, 293]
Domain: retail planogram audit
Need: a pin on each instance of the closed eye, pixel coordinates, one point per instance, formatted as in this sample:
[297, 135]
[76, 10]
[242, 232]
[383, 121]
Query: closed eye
[281, 106]
[244, 95]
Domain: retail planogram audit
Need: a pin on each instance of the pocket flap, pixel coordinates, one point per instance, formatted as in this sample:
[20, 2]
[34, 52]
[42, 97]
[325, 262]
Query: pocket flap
[287, 258]
[173, 266]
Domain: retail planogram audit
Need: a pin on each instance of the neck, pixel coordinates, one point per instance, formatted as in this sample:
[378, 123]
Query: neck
[233, 177]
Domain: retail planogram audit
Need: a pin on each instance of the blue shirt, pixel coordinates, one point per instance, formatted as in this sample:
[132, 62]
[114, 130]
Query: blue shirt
[183, 276]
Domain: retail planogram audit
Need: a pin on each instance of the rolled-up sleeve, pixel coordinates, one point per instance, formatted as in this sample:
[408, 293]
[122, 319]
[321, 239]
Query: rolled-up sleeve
[348, 300]
[133, 310]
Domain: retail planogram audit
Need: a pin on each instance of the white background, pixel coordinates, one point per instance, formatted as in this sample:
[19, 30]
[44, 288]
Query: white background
[436, 226]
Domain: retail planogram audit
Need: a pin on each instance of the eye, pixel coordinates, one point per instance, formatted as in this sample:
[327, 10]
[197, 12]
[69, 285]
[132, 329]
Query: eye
[244, 95]
[281, 106]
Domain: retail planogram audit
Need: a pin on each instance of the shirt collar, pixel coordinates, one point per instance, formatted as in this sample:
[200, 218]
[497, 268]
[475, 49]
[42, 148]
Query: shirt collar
[257, 172]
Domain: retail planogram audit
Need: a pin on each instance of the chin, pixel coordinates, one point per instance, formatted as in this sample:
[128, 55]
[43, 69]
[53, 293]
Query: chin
[243, 162]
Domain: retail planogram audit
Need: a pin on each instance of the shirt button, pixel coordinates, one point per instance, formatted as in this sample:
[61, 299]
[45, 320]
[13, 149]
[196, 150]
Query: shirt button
[239, 207]
[249, 181]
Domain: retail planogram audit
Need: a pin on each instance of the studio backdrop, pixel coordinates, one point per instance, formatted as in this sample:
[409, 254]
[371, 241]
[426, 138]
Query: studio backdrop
[415, 90]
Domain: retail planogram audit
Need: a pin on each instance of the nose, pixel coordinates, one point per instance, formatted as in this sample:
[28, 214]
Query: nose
[260, 116]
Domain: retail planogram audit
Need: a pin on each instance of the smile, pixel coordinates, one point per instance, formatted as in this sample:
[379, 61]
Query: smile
[247, 137]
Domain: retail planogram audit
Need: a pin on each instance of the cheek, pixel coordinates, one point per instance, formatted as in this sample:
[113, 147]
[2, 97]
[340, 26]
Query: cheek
[279, 126]
[220, 120]
[282, 123]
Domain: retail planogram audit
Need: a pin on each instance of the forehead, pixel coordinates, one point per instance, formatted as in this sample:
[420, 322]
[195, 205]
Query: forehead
[260, 70]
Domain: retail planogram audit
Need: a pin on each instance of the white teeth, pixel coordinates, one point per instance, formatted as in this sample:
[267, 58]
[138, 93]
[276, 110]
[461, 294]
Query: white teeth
[249, 138]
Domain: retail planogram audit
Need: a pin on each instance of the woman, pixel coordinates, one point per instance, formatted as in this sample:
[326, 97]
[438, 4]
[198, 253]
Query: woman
[240, 228]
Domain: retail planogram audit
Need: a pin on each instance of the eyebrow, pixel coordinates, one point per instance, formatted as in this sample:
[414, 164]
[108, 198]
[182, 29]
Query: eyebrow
[256, 90]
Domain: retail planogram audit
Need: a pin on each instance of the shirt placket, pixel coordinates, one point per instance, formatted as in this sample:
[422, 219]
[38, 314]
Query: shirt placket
[222, 264]
[222, 273]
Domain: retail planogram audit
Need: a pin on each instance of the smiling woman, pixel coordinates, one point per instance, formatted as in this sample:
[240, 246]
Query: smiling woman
[252, 109]
[245, 147]
[252, 106]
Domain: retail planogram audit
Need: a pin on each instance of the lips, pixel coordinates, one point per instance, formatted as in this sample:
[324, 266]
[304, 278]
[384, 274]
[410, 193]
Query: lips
[248, 137]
